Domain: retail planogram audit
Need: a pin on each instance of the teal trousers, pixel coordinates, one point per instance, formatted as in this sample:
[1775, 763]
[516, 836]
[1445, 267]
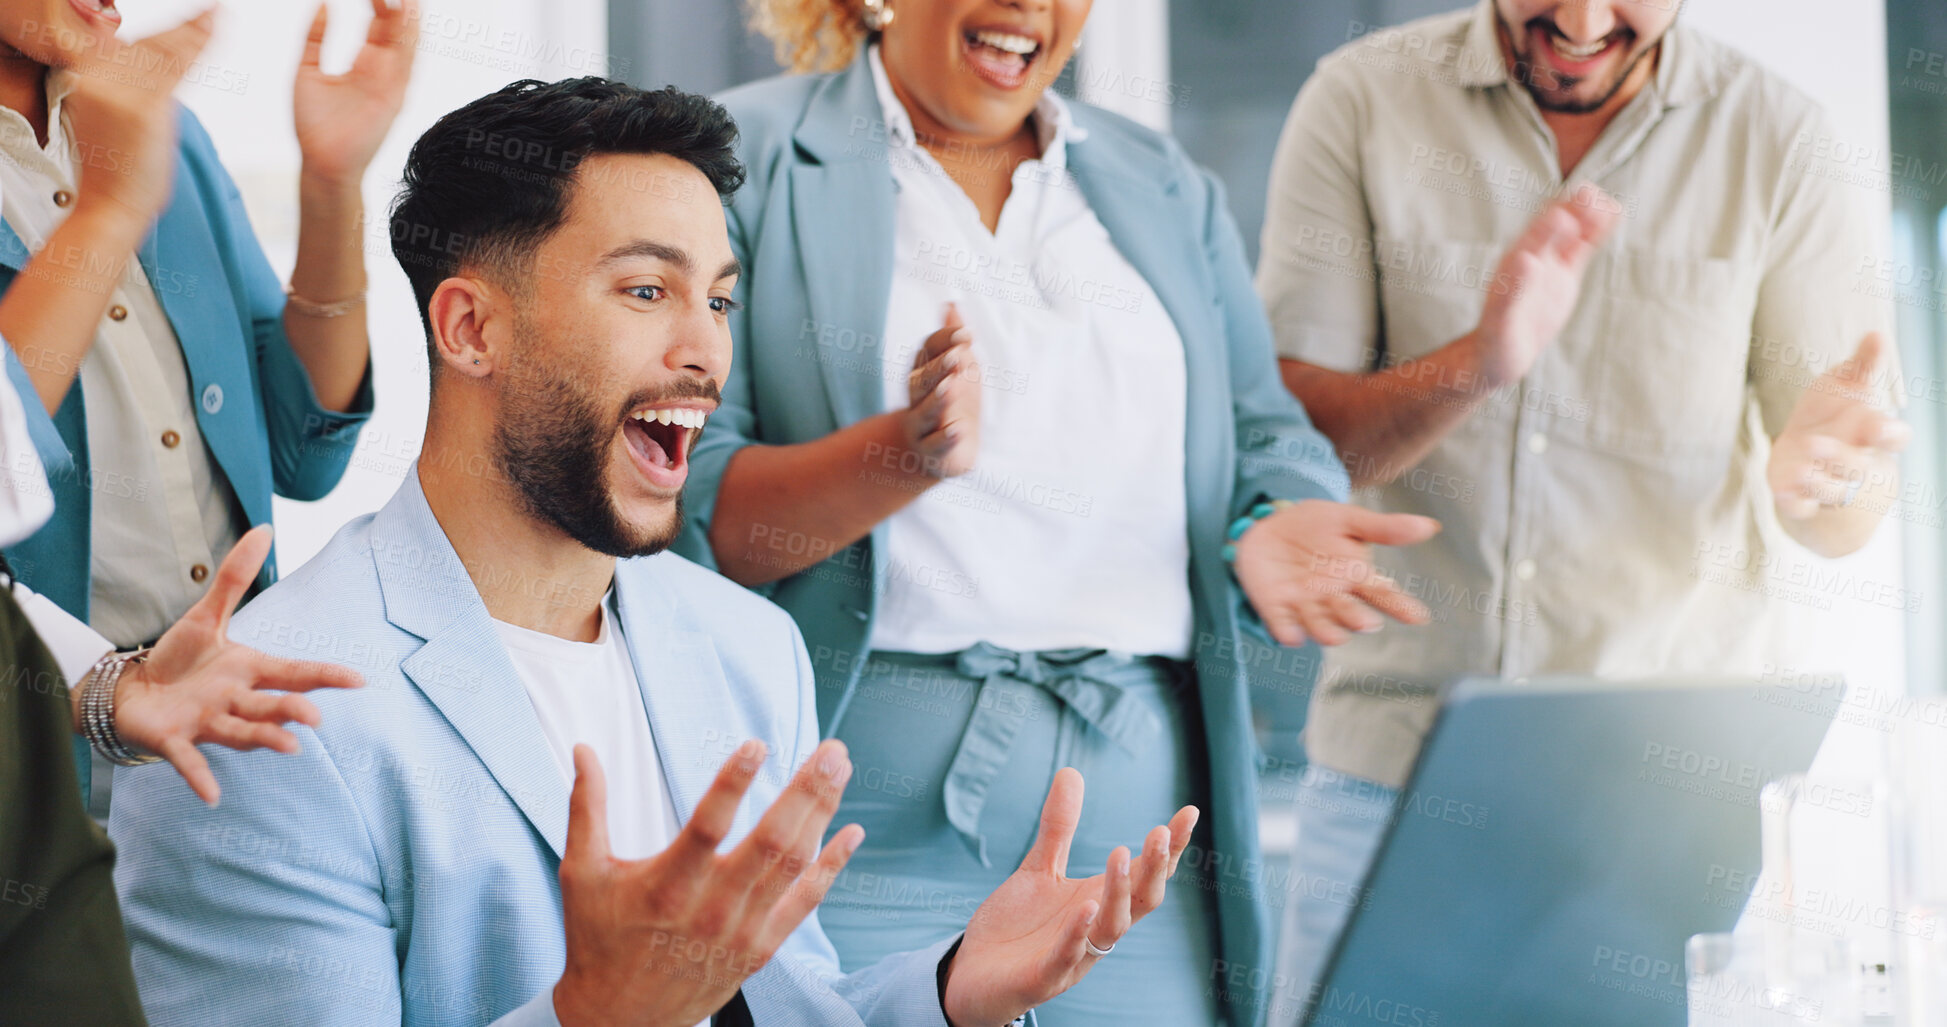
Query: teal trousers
[952, 756]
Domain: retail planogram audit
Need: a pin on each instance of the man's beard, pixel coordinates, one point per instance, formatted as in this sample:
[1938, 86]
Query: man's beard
[1530, 71]
[552, 441]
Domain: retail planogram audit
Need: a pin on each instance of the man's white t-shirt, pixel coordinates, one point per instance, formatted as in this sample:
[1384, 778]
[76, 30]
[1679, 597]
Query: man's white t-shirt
[586, 693]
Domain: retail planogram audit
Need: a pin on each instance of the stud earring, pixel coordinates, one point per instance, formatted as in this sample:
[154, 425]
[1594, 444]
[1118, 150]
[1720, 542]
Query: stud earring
[877, 15]
[476, 361]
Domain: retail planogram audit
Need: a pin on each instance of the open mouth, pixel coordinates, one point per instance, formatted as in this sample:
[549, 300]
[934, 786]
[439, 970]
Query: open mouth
[1001, 57]
[660, 439]
[1578, 59]
[99, 13]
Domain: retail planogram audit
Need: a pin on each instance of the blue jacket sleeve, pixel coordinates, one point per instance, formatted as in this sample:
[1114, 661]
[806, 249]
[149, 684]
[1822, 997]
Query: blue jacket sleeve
[268, 908]
[1279, 454]
[265, 909]
[55, 456]
[309, 445]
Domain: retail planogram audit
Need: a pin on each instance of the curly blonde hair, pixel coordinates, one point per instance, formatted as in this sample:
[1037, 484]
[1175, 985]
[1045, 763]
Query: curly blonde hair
[811, 35]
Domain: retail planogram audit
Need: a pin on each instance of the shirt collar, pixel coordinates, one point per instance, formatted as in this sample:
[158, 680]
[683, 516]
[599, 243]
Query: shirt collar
[1054, 121]
[17, 135]
[60, 82]
[1687, 70]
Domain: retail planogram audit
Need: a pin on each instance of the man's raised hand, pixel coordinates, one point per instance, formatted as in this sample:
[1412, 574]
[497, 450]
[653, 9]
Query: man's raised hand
[668, 940]
[1539, 281]
[1838, 439]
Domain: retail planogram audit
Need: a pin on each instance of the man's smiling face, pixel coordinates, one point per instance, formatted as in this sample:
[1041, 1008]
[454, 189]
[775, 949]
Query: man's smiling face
[1574, 56]
[622, 342]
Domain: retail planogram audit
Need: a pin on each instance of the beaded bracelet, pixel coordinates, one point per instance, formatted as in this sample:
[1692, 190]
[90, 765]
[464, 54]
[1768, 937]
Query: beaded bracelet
[1243, 524]
[98, 709]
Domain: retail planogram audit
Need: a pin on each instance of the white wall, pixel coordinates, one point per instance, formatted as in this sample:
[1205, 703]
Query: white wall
[1840, 60]
[1837, 54]
[1123, 63]
[243, 94]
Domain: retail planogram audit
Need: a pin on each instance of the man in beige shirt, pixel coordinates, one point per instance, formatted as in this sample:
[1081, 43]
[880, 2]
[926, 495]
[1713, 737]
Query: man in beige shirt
[1589, 288]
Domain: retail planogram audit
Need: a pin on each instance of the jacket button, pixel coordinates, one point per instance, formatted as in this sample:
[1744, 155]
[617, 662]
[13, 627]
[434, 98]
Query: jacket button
[63, 198]
[212, 398]
[199, 572]
[118, 313]
[170, 439]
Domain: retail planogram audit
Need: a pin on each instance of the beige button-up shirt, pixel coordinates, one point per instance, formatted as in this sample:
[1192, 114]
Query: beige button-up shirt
[1608, 514]
[164, 515]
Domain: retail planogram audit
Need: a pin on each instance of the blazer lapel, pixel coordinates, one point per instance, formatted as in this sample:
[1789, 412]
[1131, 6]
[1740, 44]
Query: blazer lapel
[842, 217]
[185, 272]
[1126, 195]
[463, 669]
[691, 710]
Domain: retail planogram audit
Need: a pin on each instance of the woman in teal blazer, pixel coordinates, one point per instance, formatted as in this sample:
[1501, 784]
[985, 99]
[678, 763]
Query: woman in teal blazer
[949, 765]
[280, 382]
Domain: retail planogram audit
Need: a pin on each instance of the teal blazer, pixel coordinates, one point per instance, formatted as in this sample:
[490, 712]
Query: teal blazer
[254, 403]
[814, 230]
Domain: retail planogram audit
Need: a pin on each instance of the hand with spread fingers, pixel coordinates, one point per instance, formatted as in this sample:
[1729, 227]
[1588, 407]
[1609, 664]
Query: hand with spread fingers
[731, 911]
[197, 686]
[1042, 931]
[342, 119]
[123, 112]
[1538, 283]
[943, 415]
[1307, 570]
[1839, 439]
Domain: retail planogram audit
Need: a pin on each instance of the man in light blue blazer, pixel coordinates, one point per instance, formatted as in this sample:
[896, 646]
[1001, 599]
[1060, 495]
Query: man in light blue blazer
[424, 860]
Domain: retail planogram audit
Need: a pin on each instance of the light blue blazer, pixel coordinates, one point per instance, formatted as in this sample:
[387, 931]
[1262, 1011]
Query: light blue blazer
[403, 868]
[254, 404]
[814, 230]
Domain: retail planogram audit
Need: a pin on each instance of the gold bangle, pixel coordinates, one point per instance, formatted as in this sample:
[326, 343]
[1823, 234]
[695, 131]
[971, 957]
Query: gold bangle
[312, 308]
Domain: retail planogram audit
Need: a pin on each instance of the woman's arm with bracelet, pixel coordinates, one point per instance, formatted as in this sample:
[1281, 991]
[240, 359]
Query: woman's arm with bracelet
[341, 120]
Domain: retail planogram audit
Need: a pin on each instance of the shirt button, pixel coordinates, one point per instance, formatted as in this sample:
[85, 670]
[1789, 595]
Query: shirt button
[63, 198]
[212, 398]
[170, 439]
[1525, 570]
[118, 313]
[198, 573]
[1537, 443]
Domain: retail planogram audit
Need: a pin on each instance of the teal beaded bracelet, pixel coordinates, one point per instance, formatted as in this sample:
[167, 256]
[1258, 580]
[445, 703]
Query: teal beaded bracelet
[1243, 524]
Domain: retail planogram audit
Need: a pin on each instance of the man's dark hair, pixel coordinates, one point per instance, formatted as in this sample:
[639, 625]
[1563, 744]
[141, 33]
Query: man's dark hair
[489, 182]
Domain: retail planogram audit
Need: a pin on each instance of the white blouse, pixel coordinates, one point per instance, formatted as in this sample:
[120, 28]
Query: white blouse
[1071, 528]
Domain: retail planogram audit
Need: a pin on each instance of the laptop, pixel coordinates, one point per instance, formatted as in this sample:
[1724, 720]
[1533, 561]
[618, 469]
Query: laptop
[1558, 842]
